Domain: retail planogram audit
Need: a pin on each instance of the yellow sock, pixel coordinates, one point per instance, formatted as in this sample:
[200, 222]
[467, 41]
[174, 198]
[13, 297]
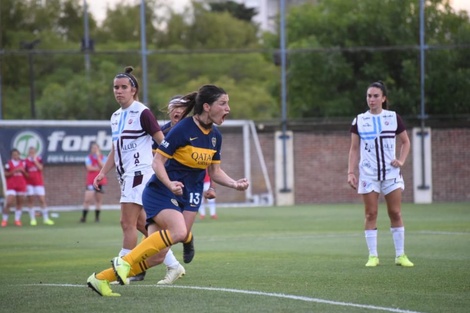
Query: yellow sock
[107, 274]
[150, 246]
[138, 268]
[189, 238]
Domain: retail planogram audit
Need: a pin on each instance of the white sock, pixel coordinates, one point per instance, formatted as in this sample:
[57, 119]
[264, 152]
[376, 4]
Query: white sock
[398, 234]
[371, 240]
[202, 209]
[32, 214]
[211, 206]
[170, 260]
[45, 214]
[5, 217]
[18, 215]
[123, 252]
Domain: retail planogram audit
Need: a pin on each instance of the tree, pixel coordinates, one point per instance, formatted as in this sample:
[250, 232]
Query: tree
[338, 47]
[237, 10]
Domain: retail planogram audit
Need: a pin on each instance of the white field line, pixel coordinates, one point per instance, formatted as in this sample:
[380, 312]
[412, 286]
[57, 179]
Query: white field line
[259, 293]
[433, 232]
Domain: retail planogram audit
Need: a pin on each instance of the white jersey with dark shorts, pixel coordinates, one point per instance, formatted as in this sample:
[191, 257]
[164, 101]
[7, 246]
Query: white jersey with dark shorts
[132, 130]
[377, 135]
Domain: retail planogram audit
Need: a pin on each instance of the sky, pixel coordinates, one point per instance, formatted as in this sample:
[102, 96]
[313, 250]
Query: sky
[98, 7]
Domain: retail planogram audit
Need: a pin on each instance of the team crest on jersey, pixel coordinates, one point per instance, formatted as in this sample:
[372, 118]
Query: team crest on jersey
[214, 141]
[174, 202]
[130, 121]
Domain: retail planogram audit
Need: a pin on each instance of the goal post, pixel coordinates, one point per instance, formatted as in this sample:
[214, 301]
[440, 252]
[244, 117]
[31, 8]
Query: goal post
[242, 153]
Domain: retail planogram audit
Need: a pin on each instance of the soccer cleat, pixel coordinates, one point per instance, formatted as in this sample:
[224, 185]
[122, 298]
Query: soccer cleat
[138, 277]
[214, 217]
[121, 269]
[188, 251]
[402, 260]
[4, 223]
[373, 261]
[116, 282]
[49, 222]
[101, 287]
[18, 223]
[172, 274]
[82, 220]
[33, 223]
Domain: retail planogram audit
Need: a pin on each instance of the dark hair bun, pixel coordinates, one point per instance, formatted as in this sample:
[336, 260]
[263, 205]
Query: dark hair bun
[128, 69]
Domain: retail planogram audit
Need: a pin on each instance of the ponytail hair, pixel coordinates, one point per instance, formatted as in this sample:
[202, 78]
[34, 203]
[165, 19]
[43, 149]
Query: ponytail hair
[206, 94]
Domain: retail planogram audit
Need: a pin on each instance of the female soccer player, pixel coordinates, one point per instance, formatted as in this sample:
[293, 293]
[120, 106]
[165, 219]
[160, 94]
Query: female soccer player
[190, 147]
[93, 163]
[373, 144]
[35, 187]
[133, 126]
[15, 173]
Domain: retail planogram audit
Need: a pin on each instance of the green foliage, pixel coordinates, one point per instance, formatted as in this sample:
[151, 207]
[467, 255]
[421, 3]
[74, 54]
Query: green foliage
[237, 10]
[336, 48]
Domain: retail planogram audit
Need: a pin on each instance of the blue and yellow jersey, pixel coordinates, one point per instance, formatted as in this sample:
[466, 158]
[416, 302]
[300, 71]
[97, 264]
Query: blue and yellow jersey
[190, 150]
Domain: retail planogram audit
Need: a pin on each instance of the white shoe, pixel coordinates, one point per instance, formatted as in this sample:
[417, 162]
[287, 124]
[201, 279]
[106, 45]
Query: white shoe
[172, 274]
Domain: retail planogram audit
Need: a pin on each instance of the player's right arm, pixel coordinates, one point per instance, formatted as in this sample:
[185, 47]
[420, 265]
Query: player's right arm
[353, 160]
[158, 166]
[108, 165]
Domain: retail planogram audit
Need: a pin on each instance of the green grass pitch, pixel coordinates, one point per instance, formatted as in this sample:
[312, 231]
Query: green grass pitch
[282, 259]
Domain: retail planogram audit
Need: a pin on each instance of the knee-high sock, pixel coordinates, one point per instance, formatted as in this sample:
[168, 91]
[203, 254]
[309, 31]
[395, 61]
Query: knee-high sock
[32, 214]
[371, 240]
[148, 247]
[18, 215]
[110, 275]
[211, 203]
[107, 274]
[189, 238]
[170, 260]
[138, 268]
[398, 234]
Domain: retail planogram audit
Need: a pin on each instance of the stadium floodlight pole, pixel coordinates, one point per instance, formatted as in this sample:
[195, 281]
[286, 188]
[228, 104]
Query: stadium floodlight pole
[1, 71]
[30, 47]
[282, 31]
[1, 95]
[422, 47]
[86, 39]
[144, 50]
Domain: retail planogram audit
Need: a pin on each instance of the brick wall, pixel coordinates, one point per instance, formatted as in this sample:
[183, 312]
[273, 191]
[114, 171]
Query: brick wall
[320, 167]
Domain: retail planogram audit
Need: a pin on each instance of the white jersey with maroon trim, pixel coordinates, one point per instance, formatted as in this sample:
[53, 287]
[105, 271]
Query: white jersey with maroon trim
[132, 129]
[377, 135]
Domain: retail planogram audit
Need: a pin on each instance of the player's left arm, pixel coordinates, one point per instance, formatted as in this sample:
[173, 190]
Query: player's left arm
[219, 176]
[210, 193]
[38, 163]
[404, 151]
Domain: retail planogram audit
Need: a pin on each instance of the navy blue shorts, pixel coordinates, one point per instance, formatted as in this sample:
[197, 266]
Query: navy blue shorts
[156, 198]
